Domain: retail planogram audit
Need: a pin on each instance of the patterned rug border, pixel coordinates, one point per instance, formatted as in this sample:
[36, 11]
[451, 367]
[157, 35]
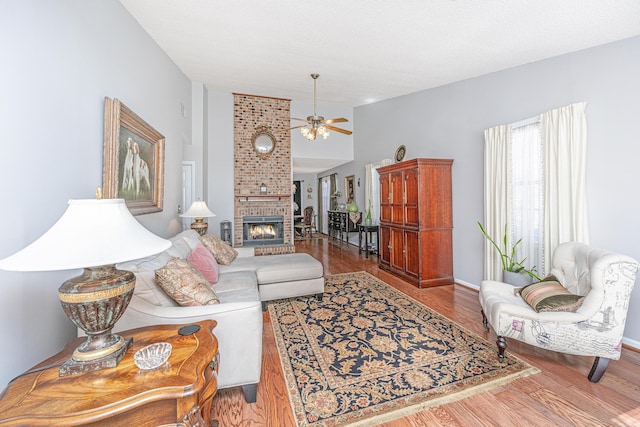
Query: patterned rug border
[394, 414]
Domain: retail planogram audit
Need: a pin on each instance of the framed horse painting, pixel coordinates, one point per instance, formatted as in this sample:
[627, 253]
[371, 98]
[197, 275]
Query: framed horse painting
[133, 167]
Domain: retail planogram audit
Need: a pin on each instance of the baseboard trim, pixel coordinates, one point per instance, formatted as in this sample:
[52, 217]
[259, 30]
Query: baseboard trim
[630, 344]
[466, 284]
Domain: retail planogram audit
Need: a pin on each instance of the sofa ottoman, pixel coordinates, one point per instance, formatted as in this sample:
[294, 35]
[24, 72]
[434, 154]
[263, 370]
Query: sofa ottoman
[282, 276]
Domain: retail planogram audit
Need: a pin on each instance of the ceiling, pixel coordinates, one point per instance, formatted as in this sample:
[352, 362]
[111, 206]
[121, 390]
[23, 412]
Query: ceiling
[367, 51]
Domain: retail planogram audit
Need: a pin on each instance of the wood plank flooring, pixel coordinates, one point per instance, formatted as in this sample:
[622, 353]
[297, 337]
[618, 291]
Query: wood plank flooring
[560, 395]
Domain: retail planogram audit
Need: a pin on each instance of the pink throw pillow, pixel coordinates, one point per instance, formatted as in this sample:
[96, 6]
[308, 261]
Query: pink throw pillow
[203, 261]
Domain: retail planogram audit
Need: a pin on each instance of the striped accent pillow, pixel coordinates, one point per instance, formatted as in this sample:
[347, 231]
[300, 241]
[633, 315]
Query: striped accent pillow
[550, 295]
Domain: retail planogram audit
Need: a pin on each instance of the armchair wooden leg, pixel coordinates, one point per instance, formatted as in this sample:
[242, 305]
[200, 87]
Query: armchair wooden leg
[485, 322]
[597, 370]
[502, 346]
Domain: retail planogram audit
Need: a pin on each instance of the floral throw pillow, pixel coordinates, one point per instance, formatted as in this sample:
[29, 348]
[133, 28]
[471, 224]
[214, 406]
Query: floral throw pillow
[222, 252]
[185, 284]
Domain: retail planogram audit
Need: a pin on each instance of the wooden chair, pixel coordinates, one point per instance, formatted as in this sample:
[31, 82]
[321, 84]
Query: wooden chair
[307, 222]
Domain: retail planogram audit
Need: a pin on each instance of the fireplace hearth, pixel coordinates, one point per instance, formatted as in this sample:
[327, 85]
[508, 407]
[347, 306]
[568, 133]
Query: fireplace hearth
[262, 230]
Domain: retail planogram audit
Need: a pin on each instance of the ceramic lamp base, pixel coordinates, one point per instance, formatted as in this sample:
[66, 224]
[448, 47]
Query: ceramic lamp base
[73, 367]
[200, 226]
[94, 301]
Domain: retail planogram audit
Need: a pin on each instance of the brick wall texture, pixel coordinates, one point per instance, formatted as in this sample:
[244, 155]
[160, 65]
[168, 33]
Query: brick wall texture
[251, 171]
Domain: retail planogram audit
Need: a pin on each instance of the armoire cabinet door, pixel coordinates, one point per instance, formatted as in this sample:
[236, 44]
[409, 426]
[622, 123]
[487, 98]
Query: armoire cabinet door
[385, 198]
[396, 257]
[385, 245]
[397, 198]
[411, 187]
[412, 253]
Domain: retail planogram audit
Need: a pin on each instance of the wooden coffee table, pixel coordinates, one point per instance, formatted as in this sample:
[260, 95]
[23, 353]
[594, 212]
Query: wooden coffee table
[180, 391]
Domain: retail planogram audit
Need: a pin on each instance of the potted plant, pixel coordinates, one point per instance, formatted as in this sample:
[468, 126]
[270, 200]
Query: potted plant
[367, 218]
[515, 273]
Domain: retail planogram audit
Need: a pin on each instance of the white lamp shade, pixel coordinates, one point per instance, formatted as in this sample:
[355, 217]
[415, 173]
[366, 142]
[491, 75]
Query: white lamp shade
[90, 233]
[198, 209]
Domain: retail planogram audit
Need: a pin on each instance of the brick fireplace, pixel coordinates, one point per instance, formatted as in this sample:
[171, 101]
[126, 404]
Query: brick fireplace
[253, 174]
[262, 230]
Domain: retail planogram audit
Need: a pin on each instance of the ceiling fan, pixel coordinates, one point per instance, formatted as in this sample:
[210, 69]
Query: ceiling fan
[317, 125]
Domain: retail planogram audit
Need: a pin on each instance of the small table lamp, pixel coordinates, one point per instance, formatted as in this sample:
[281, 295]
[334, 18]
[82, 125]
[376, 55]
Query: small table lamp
[198, 210]
[94, 235]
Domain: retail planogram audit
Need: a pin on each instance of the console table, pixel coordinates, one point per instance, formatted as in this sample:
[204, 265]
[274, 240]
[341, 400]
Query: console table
[341, 223]
[368, 239]
[179, 392]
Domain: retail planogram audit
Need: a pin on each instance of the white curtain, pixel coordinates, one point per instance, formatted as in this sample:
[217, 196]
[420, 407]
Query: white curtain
[325, 203]
[563, 134]
[372, 191]
[496, 195]
[368, 187]
[564, 138]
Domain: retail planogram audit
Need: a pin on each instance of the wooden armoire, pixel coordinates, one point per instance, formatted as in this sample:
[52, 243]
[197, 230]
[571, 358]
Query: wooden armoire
[416, 221]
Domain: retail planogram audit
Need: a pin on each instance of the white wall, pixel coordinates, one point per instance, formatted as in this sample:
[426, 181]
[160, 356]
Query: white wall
[219, 160]
[449, 121]
[60, 59]
[307, 180]
[338, 147]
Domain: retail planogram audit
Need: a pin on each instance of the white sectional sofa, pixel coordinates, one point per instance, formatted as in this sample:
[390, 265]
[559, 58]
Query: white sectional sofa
[241, 287]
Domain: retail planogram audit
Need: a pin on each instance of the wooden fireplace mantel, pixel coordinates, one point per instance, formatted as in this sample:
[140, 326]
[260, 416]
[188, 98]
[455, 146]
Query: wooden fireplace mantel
[262, 197]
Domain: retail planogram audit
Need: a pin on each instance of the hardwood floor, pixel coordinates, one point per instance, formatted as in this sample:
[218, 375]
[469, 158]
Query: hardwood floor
[560, 395]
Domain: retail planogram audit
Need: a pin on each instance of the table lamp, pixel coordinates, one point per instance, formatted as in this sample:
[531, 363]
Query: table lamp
[198, 210]
[93, 235]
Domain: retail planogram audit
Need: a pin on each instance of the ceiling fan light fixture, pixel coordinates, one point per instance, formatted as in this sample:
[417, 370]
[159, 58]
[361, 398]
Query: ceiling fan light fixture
[316, 125]
[309, 133]
[322, 130]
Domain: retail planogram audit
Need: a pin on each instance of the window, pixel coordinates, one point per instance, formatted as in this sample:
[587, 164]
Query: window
[527, 193]
[534, 182]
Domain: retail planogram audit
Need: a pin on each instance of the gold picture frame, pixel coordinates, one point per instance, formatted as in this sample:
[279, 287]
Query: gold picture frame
[349, 188]
[263, 142]
[133, 164]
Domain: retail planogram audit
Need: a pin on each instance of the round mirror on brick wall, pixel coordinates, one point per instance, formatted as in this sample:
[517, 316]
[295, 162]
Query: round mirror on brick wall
[263, 142]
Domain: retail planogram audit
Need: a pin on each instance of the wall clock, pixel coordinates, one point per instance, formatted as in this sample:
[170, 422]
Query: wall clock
[263, 142]
[400, 153]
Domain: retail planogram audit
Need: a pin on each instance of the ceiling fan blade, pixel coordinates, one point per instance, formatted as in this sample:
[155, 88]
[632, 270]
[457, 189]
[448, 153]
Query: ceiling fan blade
[302, 120]
[296, 127]
[340, 120]
[346, 132]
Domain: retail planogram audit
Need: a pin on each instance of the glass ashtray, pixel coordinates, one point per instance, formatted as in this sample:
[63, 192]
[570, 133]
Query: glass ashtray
[152, 356]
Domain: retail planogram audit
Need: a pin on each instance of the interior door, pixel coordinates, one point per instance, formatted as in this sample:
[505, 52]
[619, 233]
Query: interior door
[188, 189]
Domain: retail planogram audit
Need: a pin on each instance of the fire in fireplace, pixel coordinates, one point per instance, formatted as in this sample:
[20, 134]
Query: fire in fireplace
[262, 230]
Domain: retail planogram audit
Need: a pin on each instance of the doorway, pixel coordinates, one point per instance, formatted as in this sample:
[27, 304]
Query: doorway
[188, 189]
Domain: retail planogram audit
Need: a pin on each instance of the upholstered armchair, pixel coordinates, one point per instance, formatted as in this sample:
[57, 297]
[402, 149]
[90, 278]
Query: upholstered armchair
[604, 278]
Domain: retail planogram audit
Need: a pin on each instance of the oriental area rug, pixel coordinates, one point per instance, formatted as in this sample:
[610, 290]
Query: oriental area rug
[368, 354]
